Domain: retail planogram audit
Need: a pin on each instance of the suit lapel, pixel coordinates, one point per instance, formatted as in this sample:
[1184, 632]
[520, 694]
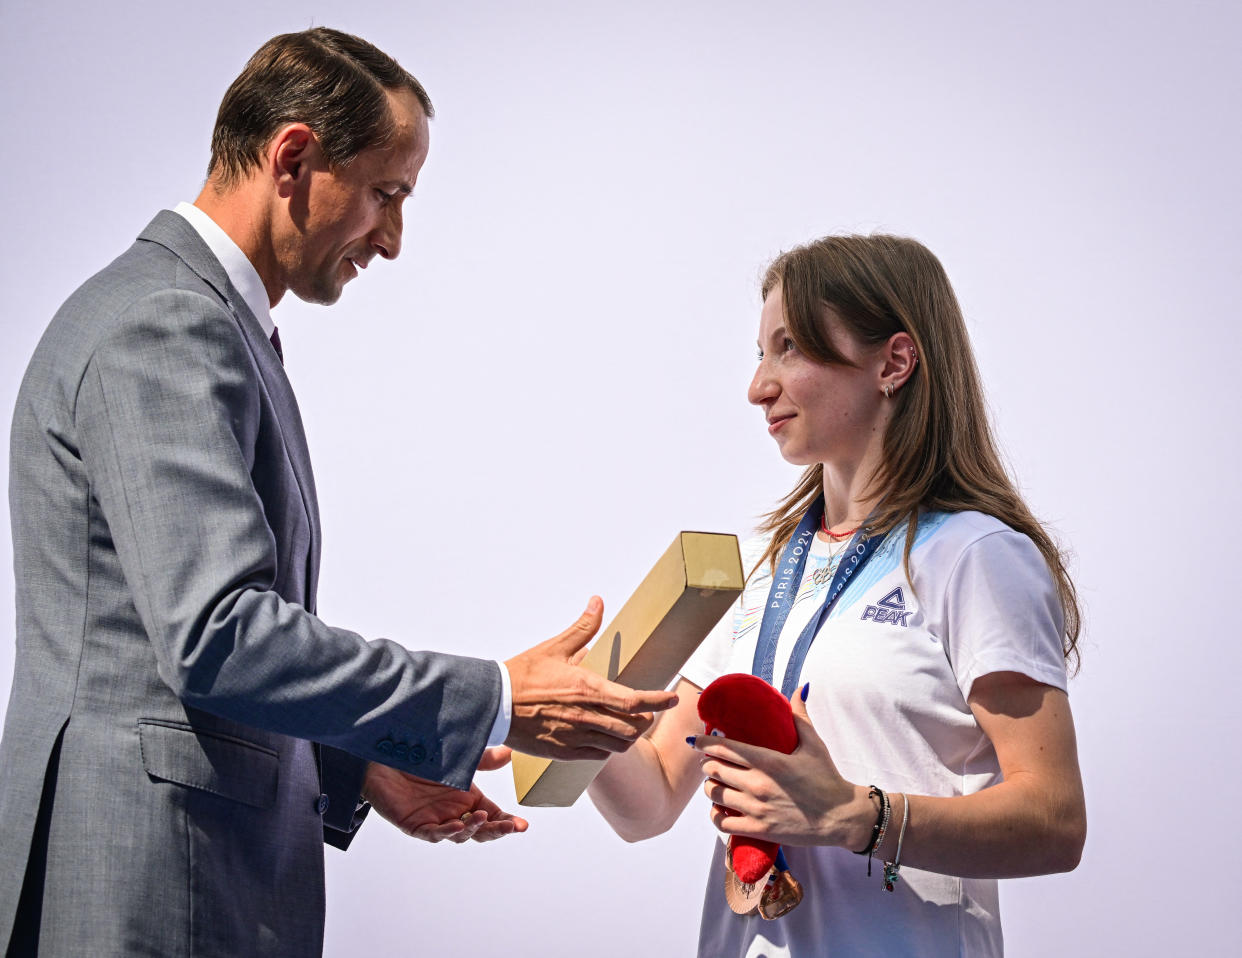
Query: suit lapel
[175, 234]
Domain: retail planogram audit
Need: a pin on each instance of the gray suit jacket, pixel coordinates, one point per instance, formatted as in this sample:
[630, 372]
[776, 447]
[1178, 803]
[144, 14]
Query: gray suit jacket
[160, 790]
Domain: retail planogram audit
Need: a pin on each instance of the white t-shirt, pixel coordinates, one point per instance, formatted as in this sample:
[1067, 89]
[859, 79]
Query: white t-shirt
[890, 672]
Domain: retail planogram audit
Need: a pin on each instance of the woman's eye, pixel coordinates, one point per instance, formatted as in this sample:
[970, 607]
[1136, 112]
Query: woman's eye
[788, 345]
[383, 197]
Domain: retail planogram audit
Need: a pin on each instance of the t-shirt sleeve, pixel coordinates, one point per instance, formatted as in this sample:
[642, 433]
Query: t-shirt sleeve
[1004, 613]
[711, 659]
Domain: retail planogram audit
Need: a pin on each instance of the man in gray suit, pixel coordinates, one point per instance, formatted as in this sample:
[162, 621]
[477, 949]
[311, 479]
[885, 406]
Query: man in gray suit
[184, 732]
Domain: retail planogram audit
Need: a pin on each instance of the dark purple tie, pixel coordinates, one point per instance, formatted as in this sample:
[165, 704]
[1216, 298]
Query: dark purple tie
[276, 344]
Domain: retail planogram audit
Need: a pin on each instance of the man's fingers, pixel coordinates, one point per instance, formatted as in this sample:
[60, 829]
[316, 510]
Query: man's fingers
[494, 758]
[625, 727]
[435, 833]
[493, 830]
[499, 829]
[575, 638]
[581, 739]
[483, 824]
[621, 698]
[471, 823]
[599, 727]
[493, 813]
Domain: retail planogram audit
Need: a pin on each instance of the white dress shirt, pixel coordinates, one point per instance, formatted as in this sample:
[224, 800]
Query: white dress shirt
[242, 273]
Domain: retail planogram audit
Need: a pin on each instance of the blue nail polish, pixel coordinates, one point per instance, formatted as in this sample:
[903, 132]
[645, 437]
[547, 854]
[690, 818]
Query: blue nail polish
[690, 740]
[805, 689]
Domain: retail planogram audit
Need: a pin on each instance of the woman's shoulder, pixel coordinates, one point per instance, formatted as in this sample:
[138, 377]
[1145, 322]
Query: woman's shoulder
[945, 539]
[963, 528]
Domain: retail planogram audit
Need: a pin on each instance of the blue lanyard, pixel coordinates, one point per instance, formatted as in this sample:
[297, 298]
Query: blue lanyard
[785, 589]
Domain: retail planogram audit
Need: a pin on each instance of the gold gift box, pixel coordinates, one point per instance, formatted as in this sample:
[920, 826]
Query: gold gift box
[684, 595]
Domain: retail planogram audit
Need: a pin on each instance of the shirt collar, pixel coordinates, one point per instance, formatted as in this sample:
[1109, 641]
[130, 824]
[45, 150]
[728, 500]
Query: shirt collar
[241, 271]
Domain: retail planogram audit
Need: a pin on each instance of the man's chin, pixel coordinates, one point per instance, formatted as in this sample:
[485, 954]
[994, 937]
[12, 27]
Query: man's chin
[318, 295]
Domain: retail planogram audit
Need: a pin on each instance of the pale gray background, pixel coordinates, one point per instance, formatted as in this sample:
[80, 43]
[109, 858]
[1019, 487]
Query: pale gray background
[549, 383]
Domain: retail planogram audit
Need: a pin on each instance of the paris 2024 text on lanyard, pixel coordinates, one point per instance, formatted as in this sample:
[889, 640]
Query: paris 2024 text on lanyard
[785, 589]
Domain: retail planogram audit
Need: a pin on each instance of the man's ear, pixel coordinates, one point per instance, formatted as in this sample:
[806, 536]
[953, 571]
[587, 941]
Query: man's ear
[291, 155]
[900, 359]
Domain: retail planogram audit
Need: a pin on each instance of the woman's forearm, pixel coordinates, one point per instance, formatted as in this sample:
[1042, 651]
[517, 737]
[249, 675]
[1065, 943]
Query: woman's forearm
[1012, 830]
[1034, 821]
[642, 791]
[633, 793]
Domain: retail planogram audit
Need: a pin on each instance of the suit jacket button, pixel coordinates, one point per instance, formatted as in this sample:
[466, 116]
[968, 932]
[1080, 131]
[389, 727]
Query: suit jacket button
[321, 804]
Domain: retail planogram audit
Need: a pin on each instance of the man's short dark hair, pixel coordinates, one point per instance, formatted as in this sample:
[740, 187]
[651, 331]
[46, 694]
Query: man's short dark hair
[333, 82]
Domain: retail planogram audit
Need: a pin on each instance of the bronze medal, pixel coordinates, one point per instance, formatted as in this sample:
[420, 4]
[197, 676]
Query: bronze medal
[743, 898]
[781, 895]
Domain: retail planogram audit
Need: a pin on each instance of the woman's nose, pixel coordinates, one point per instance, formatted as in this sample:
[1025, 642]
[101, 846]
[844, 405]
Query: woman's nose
[762, 387]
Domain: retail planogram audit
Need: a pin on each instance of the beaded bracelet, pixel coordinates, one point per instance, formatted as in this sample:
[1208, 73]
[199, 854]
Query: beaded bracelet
[880, 827]
[875, 829]
[892, 868]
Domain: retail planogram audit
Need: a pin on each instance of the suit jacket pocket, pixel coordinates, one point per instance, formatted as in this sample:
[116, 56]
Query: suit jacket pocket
[220, 764]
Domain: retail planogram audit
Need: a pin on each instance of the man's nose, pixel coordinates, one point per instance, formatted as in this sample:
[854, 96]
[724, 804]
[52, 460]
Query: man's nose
[386, 238]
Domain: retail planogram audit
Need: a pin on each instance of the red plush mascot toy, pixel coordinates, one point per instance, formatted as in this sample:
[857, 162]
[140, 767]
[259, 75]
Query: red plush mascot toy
[746, 708]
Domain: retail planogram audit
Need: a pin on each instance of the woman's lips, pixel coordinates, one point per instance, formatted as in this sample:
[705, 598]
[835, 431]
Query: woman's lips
[776, 422]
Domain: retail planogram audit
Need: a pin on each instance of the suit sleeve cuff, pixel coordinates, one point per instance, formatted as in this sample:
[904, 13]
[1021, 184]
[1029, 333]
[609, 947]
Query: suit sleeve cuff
[504, 712]
[341, 775]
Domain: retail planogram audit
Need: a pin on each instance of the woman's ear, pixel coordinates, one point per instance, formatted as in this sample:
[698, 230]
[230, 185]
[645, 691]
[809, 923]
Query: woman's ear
[900, 359]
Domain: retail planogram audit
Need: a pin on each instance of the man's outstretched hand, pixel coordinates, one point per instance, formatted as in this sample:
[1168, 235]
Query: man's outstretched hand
[563, 711]
[435, 812]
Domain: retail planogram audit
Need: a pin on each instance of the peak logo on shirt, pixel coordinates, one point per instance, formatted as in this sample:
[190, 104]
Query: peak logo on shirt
[891, 608]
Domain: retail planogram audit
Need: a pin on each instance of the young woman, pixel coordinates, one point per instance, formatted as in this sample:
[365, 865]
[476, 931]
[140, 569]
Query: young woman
[931, 696]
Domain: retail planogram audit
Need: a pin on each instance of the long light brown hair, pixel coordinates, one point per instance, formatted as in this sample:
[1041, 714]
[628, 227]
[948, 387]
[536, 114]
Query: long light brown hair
[938, 450]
